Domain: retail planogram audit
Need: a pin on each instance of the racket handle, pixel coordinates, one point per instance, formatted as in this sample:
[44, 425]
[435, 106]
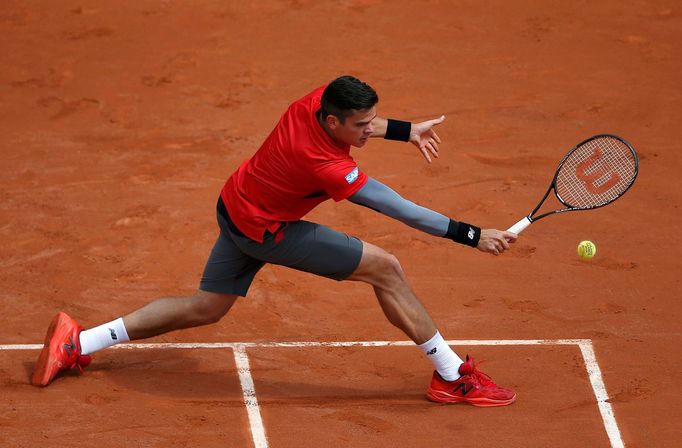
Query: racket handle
[519, 226]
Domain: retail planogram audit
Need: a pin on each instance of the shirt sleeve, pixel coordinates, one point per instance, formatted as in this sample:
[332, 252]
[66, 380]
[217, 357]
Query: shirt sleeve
[383, 199]
[340, 178]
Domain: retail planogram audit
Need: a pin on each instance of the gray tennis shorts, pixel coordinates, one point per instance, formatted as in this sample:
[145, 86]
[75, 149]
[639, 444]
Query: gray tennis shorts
[305, 246]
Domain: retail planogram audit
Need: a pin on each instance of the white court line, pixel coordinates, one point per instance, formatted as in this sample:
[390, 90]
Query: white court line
[250, 401]
[257, 428]
[235, 345]
[599, 388]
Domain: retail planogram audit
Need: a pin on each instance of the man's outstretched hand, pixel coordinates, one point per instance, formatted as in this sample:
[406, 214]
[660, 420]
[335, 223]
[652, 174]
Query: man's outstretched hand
[425, 138]
[495, 241]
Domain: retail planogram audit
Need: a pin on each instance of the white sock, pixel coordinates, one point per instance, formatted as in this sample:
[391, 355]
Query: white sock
[443, 358]
[106, 335]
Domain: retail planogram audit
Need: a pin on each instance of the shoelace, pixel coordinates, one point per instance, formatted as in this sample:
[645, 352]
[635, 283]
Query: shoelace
[81, 362]
[483, 378]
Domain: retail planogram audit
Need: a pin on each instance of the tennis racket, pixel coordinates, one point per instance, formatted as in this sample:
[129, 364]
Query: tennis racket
[593, 174]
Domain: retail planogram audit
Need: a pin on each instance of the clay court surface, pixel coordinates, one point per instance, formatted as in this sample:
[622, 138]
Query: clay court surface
[122, 120]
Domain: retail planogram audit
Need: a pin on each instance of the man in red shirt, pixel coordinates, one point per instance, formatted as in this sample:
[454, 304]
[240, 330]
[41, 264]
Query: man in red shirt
[304, 161]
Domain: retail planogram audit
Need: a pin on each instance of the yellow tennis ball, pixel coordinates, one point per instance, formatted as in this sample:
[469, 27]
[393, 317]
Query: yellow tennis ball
[586, 249]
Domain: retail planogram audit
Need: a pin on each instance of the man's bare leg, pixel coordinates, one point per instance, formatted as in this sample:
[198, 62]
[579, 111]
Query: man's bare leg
[175, 313]
[402, 308]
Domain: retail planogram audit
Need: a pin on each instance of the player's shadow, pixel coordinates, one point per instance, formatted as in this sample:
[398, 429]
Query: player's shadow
[192, 382]
[172, 373]
[307, 394]
[188, 375]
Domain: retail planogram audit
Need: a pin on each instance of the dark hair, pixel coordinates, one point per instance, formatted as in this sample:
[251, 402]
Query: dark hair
[346, 94]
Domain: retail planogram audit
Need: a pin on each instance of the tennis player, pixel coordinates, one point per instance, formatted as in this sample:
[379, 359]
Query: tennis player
[304, 161]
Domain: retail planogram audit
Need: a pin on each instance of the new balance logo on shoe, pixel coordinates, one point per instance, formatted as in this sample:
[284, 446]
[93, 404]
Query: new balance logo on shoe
[432, 351]
[464, 388]
[473, 387]
[70, 347]
[113, 334]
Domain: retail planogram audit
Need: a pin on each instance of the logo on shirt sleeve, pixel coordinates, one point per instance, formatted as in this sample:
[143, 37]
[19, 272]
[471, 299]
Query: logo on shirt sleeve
[352, 176]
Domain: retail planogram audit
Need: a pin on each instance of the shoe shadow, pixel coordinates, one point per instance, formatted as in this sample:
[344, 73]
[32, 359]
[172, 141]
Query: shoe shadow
[283, 392]
[29, 366]
[28, 369]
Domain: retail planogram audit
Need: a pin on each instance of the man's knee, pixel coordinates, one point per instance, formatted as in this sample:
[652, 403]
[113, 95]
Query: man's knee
[210, 307]
[378, 267]
[389, 267]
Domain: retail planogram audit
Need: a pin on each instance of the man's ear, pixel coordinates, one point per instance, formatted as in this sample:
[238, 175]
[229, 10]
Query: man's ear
[332, 121]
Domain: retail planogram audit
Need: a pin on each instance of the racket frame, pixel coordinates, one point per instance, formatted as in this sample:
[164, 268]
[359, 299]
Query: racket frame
[528, 219]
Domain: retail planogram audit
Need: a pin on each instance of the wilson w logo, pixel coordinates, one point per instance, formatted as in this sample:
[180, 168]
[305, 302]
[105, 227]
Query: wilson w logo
[598, 168]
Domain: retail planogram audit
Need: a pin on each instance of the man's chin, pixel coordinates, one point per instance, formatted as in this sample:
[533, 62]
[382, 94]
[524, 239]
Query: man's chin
[361, 143]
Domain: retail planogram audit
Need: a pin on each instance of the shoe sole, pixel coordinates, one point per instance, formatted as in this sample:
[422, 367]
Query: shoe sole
[48, 364]
[480, 401]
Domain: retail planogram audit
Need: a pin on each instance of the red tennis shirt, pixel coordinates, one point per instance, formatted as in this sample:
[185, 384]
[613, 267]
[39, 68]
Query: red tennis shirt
[298, 166]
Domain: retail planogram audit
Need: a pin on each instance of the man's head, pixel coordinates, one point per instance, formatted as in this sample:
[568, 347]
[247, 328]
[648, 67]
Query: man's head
[348, 107]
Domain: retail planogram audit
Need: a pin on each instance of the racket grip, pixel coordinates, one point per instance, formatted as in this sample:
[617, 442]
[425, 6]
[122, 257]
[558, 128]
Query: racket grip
[519, 226]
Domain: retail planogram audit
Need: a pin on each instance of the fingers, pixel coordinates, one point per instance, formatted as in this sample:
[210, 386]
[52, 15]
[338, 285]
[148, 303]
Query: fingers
[497, 246]
[429, 148]
[503, 243]
[491, 247]
[510, 236]
[434, 140]
[426, 126]
[495, 242]
[438, 120]
[426, 139]
[432, 146]
[425, 153]
[503, 239]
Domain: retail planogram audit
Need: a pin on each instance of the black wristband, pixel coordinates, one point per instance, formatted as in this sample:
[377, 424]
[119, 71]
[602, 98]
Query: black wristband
[398, 130]
[463, 233]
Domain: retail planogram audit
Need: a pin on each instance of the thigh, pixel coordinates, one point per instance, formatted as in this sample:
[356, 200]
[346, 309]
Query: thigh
[309, 247]
[228, 270]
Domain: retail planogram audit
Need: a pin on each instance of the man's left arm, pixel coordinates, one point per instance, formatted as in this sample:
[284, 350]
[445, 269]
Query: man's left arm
[420, 134]
[383, 199]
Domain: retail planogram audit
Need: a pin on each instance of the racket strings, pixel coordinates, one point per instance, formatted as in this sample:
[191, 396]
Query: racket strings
[596, 173]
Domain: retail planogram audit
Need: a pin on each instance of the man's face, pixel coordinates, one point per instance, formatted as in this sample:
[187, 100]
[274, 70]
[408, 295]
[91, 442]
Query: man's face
[356, 129]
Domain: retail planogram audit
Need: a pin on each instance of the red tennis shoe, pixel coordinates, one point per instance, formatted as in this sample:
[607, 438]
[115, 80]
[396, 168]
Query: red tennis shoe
[61, 352]
[473, 387]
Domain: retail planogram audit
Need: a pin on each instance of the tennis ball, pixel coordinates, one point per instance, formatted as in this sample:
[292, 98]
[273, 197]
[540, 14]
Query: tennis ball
[586, 249]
